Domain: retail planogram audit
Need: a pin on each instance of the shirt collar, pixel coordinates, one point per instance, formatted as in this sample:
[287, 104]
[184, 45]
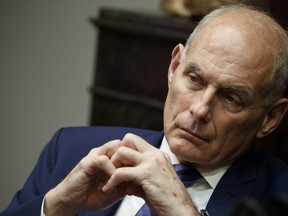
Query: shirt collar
[212, 176]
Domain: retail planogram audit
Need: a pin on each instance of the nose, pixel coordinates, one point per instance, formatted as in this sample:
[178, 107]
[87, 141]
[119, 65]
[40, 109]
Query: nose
[201, 105]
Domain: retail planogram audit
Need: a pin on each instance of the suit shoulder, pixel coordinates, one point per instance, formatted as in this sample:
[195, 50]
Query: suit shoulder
[260, 165]
[272, 175]
[98, 135]
[271, 162]
[76, 142]
[264, 162]
[112, 131]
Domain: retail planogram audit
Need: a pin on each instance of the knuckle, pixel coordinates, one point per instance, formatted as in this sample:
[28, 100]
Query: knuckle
[128, 136]
[101, 160]
[122, 150]
[93, 151]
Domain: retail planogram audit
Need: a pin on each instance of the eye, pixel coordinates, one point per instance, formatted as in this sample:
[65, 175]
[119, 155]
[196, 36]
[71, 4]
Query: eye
[232, 99]
[195, 78]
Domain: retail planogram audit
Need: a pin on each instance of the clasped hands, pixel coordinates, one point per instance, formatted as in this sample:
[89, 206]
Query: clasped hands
[130, 166]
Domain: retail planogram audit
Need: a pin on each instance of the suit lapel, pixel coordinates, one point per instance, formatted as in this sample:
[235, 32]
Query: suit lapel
[155, 139]
[236, 184]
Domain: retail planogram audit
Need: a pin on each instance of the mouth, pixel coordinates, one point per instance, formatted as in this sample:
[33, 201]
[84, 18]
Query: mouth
[193, 136]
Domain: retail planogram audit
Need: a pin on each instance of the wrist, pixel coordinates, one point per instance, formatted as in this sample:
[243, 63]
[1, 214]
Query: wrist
[186, 208]
[55, 206]
[190, 210]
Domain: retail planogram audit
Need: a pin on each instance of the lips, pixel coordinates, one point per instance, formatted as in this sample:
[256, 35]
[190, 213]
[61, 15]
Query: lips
[193, 135]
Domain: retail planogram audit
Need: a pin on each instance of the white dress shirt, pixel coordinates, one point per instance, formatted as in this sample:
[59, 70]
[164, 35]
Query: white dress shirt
[200, 191]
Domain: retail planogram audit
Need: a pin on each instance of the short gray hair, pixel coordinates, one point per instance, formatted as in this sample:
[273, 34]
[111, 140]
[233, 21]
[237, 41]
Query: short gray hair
[279, 85]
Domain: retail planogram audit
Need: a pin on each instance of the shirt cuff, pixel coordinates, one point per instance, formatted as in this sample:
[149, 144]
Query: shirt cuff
[42, 207]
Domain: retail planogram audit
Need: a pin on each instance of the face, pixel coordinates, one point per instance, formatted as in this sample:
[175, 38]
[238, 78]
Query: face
[214, 107]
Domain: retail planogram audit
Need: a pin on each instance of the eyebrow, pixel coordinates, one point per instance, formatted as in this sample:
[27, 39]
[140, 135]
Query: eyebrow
[194, 67]
[243, 90]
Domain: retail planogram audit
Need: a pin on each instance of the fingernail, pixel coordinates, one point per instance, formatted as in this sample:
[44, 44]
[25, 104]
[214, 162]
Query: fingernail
[105, 188]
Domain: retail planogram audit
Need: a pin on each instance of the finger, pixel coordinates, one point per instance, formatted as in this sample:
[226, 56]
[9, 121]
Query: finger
[125, 156]
[98, 159]
[108, 148]
[105, 165]
[121, 175]
[135, 142]
[94, 164]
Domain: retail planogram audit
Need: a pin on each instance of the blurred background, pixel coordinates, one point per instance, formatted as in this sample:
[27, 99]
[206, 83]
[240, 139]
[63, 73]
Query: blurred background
[47, 51]
[47, 67]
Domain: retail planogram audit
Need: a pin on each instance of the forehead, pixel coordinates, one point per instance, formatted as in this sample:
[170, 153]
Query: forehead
[232, 52]
[233, 45]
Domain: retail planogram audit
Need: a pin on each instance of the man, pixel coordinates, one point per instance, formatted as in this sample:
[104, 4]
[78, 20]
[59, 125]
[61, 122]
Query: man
[226, 88]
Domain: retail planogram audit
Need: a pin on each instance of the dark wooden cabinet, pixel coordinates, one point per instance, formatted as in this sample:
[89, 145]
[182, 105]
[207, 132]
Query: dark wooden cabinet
[130, 80]
[134, 51]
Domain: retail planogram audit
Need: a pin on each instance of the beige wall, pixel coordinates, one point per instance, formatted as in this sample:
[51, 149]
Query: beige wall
[46, 64]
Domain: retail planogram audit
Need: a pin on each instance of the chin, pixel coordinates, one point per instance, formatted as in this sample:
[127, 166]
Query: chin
[186, 152]
[183, 145]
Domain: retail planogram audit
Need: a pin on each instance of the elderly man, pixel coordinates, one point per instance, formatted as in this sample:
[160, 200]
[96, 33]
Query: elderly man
[226, 88]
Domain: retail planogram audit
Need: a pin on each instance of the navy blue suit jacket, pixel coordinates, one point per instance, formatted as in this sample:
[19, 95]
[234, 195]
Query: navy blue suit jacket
[254, 175]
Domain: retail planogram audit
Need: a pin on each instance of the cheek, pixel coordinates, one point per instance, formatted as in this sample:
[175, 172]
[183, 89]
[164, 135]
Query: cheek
[176, 102]
[240, 131]
[168, 110]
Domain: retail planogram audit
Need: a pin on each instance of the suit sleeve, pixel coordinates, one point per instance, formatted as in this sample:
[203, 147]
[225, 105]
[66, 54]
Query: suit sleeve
[28, 200]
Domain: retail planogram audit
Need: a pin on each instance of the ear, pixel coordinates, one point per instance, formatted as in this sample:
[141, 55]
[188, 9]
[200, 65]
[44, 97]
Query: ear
[175, 61]
[274, 116]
